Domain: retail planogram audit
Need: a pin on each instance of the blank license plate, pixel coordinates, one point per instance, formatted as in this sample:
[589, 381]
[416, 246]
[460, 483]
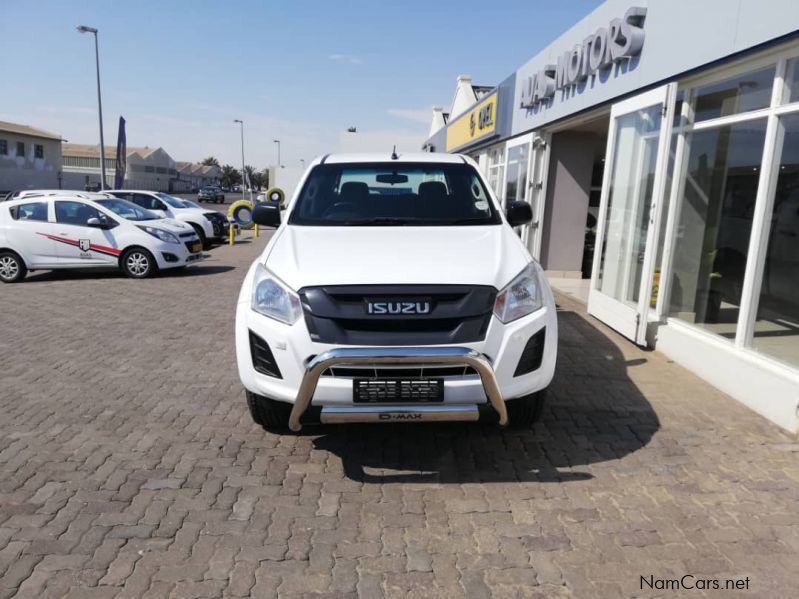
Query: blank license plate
[397, 390]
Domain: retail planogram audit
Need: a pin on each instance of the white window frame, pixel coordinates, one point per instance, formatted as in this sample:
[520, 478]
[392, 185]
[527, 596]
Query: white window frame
[764, 200]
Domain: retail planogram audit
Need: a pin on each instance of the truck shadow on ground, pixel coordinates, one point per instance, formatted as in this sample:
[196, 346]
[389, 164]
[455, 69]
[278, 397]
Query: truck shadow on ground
[594, 413]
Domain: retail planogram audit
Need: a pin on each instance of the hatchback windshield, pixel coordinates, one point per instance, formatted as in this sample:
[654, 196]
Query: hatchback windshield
[171, 200]
[413, 194]
[127, 210]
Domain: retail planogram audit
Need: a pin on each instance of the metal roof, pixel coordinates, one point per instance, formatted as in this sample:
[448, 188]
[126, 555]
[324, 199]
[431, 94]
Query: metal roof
[27, 130]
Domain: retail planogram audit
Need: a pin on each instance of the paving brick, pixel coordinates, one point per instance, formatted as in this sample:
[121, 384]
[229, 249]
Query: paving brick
[145, 477]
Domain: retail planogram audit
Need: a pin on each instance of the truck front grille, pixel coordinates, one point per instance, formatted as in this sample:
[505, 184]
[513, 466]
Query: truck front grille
[338, 314]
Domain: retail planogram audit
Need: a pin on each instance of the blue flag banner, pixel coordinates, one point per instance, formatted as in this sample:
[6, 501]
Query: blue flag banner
[122, 156]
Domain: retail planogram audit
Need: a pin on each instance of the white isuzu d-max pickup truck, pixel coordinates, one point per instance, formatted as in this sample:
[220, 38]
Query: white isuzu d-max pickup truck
[395, 289]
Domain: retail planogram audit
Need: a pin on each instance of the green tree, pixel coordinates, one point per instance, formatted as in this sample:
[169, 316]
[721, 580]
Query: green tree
[229, 176]
[210, 161]
[265, 178]
[255, 178]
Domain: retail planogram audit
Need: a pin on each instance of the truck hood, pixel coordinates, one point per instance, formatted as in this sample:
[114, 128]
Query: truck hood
[306, 256]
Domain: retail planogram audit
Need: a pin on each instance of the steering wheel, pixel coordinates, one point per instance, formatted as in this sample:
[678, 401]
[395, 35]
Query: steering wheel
[339, 207]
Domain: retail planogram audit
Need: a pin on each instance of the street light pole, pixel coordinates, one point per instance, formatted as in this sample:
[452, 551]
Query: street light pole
[279, 165]
[240, 122]
[84, 29]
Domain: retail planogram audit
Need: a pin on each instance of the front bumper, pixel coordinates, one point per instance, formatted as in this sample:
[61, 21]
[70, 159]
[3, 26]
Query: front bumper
[296, 356]
[174, 255]
[396, 356]
[220, 226]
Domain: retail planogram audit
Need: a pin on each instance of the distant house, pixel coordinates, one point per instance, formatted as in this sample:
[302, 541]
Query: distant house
[193, 176]
[30, 158]
[147, 168]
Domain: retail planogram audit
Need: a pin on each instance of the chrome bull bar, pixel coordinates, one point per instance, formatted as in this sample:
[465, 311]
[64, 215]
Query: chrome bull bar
[396, 355]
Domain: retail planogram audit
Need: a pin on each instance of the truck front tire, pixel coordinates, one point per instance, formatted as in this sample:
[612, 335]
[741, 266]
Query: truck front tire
[270, 414]
[525, 411]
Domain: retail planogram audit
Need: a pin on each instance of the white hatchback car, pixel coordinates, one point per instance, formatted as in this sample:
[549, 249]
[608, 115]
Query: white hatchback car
[68, 231]
[203, 221]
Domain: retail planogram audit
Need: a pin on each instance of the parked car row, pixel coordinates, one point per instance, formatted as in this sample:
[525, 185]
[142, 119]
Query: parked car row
[138, 231]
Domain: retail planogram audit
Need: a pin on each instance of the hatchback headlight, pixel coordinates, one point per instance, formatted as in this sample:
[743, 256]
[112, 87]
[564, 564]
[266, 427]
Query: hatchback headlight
[160, 234]
[521, 297]
[273, 298]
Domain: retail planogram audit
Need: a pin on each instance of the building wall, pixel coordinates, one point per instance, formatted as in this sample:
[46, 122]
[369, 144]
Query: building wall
[28, 172]
[680, 35]
[570, 167]
[153, 171]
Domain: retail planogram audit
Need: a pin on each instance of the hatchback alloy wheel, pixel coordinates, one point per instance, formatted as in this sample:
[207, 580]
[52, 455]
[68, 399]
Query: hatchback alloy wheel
[138, 264]
[9, 268]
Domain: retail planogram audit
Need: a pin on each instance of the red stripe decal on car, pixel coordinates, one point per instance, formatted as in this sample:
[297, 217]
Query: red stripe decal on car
[102, 249]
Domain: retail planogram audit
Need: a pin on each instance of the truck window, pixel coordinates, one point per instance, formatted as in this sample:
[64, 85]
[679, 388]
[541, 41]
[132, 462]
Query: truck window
[401, 194]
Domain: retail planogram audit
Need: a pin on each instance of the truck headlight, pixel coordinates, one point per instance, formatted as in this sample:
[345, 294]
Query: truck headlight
[521, 297]
[160, 234]
[273, 298]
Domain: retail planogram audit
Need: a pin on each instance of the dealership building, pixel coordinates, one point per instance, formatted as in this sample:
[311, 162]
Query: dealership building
[658, 144]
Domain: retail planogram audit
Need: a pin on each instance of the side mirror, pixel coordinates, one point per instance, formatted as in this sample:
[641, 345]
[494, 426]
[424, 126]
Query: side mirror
[518, 213]
[98, 223]
[266, 214]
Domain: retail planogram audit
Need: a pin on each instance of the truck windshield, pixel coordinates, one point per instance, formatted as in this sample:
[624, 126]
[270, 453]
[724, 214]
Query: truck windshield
[386, 194]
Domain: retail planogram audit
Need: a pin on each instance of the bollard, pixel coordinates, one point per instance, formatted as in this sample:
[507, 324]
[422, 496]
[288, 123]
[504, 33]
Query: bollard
[232, 235]
[256, 230]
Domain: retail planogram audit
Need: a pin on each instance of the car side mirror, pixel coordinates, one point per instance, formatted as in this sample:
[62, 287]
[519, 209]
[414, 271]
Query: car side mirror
[518, 213]
[266, 214]
[98, 223]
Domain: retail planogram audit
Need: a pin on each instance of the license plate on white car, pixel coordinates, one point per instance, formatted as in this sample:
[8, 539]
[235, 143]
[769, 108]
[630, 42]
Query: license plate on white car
[397, 390]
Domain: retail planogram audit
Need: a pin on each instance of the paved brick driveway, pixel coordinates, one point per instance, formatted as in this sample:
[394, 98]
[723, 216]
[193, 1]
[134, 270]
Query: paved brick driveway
[129, 467]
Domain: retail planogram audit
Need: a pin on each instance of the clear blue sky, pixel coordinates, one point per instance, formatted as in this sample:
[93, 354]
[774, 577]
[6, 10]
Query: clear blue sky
[301, 71]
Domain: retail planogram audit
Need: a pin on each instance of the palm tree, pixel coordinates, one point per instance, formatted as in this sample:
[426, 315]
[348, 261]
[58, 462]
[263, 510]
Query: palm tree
[229, 176]
[210, 161]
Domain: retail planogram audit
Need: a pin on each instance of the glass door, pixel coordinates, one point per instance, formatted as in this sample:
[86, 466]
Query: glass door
[629, 211]
[517, 176]
[539, 166]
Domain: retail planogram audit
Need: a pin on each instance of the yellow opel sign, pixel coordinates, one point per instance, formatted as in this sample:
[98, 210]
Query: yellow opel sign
[471, 126]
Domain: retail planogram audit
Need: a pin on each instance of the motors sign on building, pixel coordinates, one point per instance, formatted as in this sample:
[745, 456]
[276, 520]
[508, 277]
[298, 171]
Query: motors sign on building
[479, 122]
[623, 38]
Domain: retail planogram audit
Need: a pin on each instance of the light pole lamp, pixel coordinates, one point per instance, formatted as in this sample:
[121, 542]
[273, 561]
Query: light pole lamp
[279, 165]
[240, 122]
[85, 29]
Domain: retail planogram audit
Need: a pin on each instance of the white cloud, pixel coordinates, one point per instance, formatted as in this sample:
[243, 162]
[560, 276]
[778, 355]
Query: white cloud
[421, 115]
[349, 58]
